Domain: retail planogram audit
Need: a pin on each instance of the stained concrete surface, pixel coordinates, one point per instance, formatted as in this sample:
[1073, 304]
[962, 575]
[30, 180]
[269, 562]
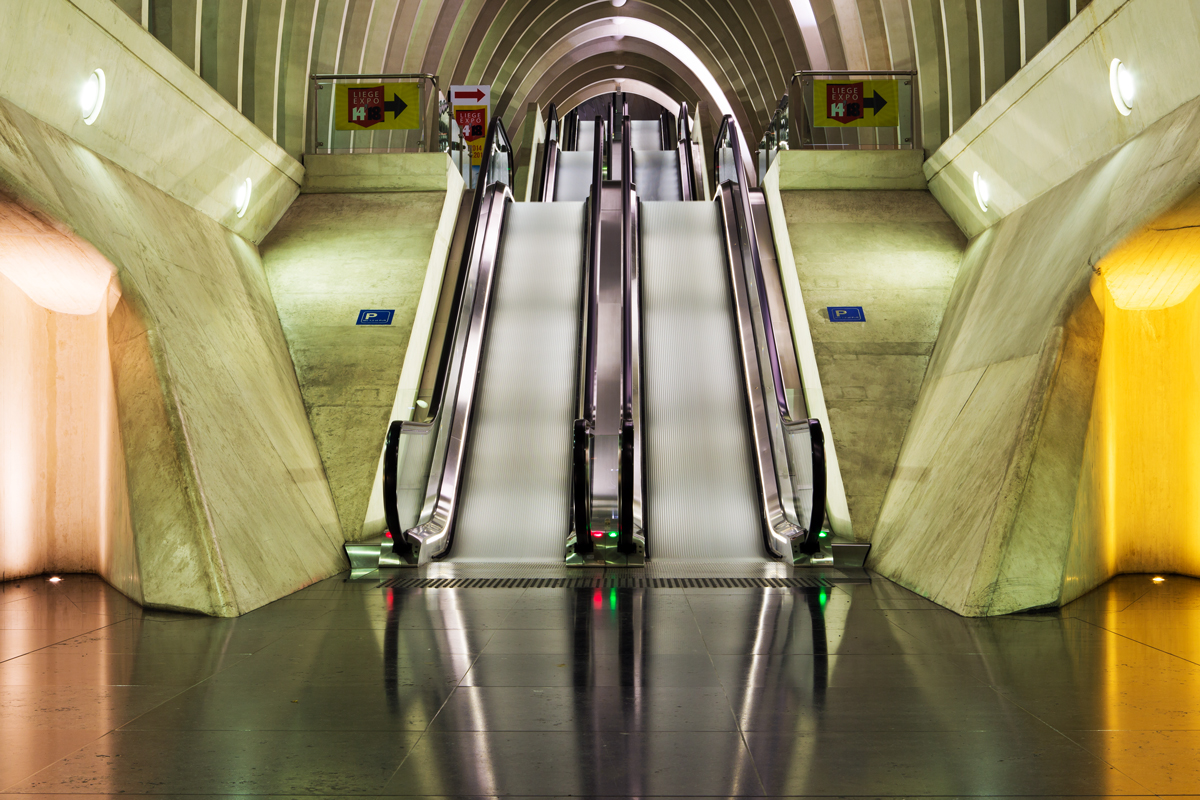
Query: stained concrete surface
[850, 690]
[330, 256]
[947, 532]
[896, 254]
[228, 501]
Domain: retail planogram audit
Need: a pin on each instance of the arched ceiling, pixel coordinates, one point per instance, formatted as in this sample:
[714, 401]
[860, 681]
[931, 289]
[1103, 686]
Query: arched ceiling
[735, 56]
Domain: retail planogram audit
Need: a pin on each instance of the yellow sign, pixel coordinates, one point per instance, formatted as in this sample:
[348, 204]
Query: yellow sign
[473, 122]
[377, 107]
[857, 104]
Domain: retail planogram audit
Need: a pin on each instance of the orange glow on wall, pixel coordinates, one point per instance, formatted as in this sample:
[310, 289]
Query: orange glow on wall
[63, 499]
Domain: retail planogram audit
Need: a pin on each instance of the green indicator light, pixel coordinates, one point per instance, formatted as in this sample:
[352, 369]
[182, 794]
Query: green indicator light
[822, 535]
[823, 598]
[612, 534]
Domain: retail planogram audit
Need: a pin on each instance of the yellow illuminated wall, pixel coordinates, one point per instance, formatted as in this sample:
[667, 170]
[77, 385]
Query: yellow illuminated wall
[1138, 508]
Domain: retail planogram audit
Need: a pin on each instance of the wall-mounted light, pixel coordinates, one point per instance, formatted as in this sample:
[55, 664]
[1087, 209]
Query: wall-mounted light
[241, 198]
[981, 192]
[91, 96]
[1121, 84]
[619, 3]
[619, 66]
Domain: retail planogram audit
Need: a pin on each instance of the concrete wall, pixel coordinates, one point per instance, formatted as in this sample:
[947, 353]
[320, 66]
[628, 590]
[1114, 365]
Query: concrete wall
[981, 514]
[229, 506]
[896, 254]
[343, 250]
[993, 507]
[63, 499]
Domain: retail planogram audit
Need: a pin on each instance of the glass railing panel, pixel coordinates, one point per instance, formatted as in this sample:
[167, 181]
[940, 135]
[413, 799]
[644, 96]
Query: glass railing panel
[853, 110]
[397, 113]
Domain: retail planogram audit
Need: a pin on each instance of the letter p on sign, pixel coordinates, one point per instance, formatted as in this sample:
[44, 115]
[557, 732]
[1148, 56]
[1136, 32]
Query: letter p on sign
[375, 316]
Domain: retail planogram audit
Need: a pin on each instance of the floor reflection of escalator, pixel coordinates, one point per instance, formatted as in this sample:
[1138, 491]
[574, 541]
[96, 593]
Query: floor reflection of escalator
[606, 691]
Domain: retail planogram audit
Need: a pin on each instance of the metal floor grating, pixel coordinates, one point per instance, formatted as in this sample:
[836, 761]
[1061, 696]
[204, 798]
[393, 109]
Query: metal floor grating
[601, 582]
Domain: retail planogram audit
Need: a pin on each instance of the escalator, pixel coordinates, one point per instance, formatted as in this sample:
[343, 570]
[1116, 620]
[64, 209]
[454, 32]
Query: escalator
[618, 375]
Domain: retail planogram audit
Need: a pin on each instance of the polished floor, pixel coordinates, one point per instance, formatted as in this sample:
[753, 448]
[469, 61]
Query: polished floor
[348, 689]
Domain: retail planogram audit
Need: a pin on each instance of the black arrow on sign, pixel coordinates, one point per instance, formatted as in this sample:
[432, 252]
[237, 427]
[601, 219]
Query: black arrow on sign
[397, 106]
[877, 102]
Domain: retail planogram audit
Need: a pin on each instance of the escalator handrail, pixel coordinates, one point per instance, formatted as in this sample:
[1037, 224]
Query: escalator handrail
[495, 132]
[588, 406]
[550, 156]
[391, 467]
[627, 263]
[729, 129]
[685, 145]
[570, 130]
[586, 418]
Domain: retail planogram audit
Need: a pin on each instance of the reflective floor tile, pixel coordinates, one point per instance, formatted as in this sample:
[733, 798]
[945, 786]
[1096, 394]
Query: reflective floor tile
[653, 639]
[67, 667]
[817, 708]
[595, 708]
[79, 707]
[852, 671]
[957, 763]
[25, 752]
[601, 670]
[227, 762]
[289, 705]
[1163, 761]
[572, 764]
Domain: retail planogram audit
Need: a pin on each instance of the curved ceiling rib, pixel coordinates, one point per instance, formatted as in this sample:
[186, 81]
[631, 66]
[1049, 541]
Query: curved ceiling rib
[736, 55]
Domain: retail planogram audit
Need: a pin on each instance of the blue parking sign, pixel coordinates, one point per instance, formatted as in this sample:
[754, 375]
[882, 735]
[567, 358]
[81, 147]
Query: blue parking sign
[376, 316]
[846, 314]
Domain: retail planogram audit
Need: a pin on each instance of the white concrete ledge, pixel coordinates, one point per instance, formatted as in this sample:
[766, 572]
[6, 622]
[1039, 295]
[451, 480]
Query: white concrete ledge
[379, 172]
[851, 169]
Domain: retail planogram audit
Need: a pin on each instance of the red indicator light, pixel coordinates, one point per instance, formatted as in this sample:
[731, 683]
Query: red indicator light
[388, 534]
[597, 534]
[598, 599]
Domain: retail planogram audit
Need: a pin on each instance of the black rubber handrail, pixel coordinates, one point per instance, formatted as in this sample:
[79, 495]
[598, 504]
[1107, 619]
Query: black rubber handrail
[496, 136]
[550, 156]
[729, 130]
[665, 130]
[582, 430]
[570, 131]
[625, 543]
[685, 141]
[496, 133]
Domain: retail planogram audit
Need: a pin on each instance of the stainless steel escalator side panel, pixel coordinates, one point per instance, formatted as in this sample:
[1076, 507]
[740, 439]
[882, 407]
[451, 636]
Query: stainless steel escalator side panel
[781, 530]
[781, 322]
[432, 533]
[634, 311]
[607, 400]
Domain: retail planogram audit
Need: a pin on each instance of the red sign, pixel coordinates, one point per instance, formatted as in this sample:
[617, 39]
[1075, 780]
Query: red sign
[845, 101]
[365, 106]
[472, 122]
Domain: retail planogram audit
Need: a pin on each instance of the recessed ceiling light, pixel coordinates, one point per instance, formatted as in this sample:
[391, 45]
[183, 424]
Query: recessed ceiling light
[56, 579]
[1121, 85]
[1158, 579]
[982, 193]
[241, 198]
[619, 66]
[91, 96]
[619, 3]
